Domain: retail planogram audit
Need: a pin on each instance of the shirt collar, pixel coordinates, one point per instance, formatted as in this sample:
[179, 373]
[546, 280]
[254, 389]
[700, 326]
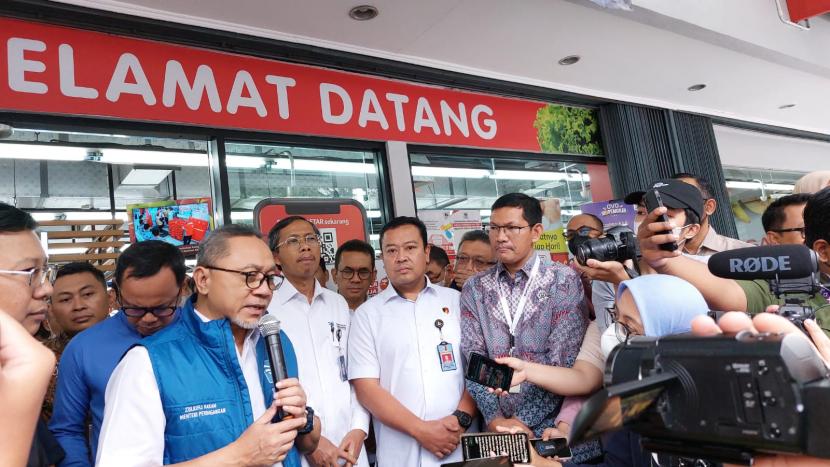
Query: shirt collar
[202, 317]
[527, 268]
[287, 291]
[391, 293]
[713, 241]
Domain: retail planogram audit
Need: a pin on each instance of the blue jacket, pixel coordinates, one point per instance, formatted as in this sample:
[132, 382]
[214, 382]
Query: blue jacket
[203, 391]
[84, 370]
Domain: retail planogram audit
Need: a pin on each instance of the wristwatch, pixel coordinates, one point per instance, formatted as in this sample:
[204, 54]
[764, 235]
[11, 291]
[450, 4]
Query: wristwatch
[464, 419]
[309, 423]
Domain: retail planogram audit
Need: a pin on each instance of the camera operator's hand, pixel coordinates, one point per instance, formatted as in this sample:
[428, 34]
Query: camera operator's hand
[817, 335]
[608, 271]
[650, 240]
[734, 322]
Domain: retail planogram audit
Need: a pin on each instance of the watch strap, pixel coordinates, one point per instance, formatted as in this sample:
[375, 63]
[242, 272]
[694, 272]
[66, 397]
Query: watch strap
[464, 419]
[309, 424]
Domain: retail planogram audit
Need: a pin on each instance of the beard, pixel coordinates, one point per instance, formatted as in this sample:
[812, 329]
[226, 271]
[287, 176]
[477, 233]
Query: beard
[244, 324]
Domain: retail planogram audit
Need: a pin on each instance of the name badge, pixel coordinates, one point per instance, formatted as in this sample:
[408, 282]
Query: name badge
[446, 357]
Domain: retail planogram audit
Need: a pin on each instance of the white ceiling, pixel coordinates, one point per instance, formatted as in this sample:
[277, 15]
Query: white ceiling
[751, 62]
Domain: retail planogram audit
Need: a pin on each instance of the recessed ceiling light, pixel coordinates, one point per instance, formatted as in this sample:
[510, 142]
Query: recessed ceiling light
[363, 12]
[696, 87]
[569, 60]
[786, 106]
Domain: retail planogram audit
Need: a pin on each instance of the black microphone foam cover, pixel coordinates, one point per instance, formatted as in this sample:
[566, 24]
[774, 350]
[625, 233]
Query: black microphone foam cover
[765, 262]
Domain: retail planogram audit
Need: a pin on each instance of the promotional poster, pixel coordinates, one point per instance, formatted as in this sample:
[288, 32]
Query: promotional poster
[183, 223]
[446, 227]
[612, 213]
[552, 240]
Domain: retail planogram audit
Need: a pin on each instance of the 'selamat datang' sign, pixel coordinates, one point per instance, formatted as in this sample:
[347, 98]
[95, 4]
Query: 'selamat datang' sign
[60, 70]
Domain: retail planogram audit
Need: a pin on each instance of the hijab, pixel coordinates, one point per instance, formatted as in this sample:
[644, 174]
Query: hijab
[667, 304]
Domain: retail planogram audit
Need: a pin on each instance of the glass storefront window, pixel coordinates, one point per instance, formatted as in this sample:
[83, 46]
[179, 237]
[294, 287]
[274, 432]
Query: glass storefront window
[259, 171]
[45, 171]
[751, 191]
[448, 182]
[62, 178]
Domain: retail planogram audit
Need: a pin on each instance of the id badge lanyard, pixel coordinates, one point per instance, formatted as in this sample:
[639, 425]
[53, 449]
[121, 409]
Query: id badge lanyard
[512, 319]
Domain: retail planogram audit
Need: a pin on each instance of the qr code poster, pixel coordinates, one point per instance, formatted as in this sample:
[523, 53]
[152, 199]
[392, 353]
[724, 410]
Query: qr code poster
[328, 245]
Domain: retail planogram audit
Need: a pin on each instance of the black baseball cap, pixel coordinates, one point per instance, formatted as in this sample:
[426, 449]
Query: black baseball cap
[675, 194]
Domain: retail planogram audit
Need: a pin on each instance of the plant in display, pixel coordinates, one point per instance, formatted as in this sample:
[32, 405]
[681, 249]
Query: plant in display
[568, 130]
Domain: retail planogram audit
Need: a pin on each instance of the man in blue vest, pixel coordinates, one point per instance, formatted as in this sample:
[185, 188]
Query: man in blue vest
[148, 281]
[199, 392]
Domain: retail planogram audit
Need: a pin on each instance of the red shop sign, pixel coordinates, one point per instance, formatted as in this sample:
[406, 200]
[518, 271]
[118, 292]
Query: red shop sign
[60, 70]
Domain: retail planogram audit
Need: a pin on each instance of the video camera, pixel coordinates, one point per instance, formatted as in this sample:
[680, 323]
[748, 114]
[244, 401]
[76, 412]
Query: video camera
[791, 270]
[724, 398]
[717, 398]
[618, 244]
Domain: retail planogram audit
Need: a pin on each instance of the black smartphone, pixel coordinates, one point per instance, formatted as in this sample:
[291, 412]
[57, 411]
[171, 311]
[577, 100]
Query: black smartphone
[653, 201]
[553, 447]
[479, 445]
[487, 372]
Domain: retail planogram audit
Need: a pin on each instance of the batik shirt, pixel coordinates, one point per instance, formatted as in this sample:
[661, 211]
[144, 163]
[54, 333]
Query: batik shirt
[549, 332]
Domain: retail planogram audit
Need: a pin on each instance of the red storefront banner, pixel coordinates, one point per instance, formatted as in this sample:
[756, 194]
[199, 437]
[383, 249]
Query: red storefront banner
[60, 70]
[803, 9]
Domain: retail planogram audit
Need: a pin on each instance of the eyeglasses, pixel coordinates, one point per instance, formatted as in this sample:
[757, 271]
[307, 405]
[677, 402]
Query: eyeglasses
[140, 311]
[478, 264]
[362, 273]
[511, 230]
[621, 330]
[37, 276]
[794, 229]
[294, 242]
[254, 279]
[584, 230]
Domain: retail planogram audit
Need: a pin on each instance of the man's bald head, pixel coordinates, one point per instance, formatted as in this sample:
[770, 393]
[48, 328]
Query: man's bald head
[585, 220]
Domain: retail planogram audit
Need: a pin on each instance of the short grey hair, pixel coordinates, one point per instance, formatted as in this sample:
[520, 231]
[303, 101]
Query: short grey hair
[474, 236]
[215, 246]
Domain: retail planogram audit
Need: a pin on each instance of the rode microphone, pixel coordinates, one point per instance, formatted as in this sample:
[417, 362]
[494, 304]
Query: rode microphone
[765, 262]
[269, 327]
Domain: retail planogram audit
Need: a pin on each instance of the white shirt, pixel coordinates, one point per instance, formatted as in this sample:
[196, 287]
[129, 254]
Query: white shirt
[132, 433]
[313, 330]
[396, 341]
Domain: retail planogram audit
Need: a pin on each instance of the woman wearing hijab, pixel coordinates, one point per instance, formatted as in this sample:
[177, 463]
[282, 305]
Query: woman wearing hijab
[654, 305]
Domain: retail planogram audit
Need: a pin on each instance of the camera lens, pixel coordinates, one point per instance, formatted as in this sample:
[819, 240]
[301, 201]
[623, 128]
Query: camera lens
[600, 249]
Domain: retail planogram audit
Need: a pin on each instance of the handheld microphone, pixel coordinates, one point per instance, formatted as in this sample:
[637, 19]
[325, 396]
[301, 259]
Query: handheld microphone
[765, 262]
[269, 327]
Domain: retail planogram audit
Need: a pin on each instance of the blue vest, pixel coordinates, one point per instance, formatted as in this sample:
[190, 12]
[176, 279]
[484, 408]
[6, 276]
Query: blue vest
[202, 387]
